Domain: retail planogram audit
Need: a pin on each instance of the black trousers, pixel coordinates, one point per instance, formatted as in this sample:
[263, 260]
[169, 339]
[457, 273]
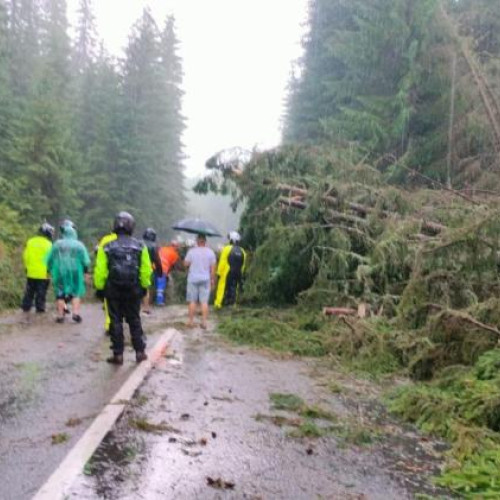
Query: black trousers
[36, 290]
[233, 287]
[125, 306]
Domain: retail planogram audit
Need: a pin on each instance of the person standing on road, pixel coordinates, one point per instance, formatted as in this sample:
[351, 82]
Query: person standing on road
[149, 238]
[37, 279]
[123, 273]
[170, 258]
[68, 263]
[201, 262]
[230, 271]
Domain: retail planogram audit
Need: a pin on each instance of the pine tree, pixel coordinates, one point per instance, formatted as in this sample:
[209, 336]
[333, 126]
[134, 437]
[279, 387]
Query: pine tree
[153, 124]
[42, 152]
[85, 47]
[24, 46]
[81, 135]
[103, 145]
[173, 75]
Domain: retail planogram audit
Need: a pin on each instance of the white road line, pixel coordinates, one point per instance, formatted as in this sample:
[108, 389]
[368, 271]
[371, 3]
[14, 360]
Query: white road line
[59, 483]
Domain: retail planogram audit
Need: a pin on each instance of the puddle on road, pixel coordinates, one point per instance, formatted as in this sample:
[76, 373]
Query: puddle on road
[200, 431]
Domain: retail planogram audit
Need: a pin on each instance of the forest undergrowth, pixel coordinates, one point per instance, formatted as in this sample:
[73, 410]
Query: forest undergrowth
[12, 238]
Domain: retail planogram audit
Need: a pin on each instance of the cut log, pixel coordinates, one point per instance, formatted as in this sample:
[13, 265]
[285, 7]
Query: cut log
[339, 311]
[363, 310]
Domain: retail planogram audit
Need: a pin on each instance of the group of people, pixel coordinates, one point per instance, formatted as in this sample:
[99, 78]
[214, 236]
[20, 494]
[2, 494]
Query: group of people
[66, 261]
[124, 272]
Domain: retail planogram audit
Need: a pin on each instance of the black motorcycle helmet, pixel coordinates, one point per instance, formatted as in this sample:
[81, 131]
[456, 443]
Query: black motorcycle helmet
[47, 230]
[149, 235]
[124, 223]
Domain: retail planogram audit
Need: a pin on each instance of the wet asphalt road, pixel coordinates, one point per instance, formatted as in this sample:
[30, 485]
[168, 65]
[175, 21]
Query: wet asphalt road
[211, 403]
[50, 374]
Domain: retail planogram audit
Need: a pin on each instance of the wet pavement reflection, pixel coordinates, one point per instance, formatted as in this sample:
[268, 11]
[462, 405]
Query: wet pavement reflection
[203, 426]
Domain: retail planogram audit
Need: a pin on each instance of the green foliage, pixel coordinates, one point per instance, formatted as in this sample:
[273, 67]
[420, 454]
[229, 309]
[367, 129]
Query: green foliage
[477, 477]
[12, 237]
[463, 406]
[287, 402]
[376, 78]
[82, 135]
[272, 332]
[370, 347]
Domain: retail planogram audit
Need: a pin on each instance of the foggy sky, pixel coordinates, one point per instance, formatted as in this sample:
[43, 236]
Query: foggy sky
[237, 57]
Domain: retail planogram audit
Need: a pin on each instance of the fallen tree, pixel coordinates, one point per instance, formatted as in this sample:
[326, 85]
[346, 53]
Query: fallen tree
[386, 279]
[330, 234]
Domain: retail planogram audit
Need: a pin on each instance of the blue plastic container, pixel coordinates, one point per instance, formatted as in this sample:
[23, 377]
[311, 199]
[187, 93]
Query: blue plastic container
[160, 285]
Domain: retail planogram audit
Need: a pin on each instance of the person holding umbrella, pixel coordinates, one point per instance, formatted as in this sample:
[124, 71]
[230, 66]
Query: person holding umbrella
[201, 261]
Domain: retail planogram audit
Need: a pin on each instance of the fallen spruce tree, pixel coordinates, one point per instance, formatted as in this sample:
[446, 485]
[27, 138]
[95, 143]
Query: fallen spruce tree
[328, 233]
[331, 235]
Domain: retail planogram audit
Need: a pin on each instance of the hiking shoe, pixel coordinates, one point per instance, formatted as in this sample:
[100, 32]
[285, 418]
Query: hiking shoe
[141, 356]
[77, 318]
[116, 359]
[60, 319]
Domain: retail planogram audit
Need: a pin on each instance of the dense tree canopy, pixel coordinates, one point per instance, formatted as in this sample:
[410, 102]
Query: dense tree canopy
[379, 78]
[83, 135]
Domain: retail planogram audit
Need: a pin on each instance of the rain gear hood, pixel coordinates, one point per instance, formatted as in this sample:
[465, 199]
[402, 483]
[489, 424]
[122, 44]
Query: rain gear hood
[68, 261]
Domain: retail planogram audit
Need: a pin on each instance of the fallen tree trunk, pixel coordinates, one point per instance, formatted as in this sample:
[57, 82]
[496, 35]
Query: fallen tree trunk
[487, 96]
[433, 228]
[466, 318]
[329, 200]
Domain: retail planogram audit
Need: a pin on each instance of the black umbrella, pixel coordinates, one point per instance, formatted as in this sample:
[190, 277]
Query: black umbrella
[196, 226]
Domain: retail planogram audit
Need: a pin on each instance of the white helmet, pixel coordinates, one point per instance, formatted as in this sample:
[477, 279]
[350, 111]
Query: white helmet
[234, 237]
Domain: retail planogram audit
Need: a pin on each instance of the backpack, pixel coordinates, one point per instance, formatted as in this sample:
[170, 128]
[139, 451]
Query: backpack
[124, 257]
[236, 260]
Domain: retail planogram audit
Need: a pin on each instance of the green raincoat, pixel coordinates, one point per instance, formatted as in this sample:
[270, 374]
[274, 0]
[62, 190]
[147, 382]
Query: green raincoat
[67, 262]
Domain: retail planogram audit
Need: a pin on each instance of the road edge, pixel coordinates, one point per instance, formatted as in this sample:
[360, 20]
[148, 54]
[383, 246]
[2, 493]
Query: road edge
[59, 483]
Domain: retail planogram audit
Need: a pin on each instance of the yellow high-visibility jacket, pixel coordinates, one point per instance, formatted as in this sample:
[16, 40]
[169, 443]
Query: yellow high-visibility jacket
[106, 239]
[34, 257]
[101, 271]
[223, 269]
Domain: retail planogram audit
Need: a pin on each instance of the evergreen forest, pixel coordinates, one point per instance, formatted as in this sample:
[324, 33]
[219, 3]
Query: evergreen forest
[84, 134]
[382, 206]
